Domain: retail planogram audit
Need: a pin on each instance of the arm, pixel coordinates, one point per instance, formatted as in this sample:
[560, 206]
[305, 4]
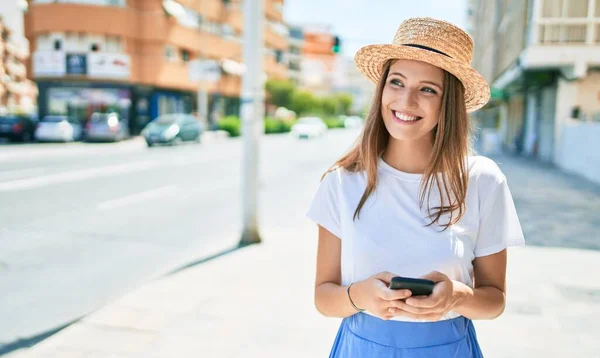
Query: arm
[485, 301]
[331, 298]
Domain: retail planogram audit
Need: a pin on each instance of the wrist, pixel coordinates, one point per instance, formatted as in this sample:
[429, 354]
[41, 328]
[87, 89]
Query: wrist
[461, 293]
[353, 296]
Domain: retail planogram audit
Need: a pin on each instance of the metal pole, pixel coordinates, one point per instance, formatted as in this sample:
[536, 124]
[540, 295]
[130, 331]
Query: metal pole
[251, 114]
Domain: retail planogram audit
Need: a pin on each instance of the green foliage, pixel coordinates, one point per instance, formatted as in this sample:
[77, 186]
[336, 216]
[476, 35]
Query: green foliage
[230, 124]
[280, 92]
[304, 102]
[274, 125]
[334, 122]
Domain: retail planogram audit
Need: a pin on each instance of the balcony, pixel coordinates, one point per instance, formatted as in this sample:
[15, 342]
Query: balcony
[273, 11]
[568, 43]
[44, 18]
[274, 69]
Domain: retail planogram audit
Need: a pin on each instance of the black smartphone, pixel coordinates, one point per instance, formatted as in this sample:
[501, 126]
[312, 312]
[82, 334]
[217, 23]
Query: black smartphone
[418, 286]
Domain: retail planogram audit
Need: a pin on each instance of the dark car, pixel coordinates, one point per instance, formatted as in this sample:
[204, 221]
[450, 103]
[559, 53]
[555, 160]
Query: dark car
[17, 127]
[106, 127]
[173, 129]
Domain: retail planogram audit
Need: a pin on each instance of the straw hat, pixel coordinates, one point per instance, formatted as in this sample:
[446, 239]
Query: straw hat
[435, 42]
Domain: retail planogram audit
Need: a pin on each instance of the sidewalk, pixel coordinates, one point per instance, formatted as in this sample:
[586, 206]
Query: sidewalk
[257, 302]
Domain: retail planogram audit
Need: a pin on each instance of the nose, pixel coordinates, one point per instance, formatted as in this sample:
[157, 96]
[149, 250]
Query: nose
[408, 99]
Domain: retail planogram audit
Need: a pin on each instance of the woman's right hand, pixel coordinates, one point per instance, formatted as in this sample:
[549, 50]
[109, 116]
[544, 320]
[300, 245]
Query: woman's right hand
[374, 295]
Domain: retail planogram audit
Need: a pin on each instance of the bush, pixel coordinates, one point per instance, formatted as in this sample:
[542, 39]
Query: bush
[230, 124]
[334, 122]
[273, 125]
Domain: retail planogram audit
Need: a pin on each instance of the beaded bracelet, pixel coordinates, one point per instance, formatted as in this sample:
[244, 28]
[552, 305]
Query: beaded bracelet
[352, 302]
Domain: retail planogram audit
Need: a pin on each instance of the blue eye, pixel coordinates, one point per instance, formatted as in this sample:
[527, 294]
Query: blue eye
[396, 82]
[430, 90]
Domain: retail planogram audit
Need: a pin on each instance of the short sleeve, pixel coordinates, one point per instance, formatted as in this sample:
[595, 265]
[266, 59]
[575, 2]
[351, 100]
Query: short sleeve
[325, 206]
[499, 225]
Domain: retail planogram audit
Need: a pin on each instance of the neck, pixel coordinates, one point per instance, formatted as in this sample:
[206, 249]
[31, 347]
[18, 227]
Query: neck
[408, 156]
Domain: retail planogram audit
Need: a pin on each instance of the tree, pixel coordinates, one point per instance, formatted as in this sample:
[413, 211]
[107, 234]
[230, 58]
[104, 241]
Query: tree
[304, 102]
[280, 92]
[344, 102]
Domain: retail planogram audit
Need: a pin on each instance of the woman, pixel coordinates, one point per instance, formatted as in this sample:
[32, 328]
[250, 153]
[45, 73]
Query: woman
[409, 200]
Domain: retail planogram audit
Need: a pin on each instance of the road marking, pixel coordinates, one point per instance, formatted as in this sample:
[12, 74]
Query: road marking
[138, 197]
[106, 171]
[16, 173]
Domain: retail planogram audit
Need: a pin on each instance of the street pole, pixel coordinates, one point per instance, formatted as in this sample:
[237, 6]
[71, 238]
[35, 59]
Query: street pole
[251, 114]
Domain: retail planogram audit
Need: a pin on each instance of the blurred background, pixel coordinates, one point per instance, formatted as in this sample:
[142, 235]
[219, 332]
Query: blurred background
[121, 141]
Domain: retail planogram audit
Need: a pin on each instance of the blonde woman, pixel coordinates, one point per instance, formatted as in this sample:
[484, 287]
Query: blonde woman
[412, 200]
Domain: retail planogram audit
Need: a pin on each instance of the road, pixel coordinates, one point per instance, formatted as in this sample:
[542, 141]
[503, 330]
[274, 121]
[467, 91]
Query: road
[81, 225]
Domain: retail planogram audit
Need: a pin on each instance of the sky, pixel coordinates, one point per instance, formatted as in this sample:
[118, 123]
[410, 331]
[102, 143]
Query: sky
[364, 22]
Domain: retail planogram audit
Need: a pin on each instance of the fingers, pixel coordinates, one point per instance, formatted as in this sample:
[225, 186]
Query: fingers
[385, 276]
[435, 276]
[391, 295]
[423, 302]
[423, 315]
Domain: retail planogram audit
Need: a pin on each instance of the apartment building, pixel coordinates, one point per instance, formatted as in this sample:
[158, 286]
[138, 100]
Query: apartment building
[542, 58]
[134, 56]
[318, 59]
[17, 94]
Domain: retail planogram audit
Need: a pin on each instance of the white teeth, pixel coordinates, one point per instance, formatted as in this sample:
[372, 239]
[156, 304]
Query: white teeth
[405, 118]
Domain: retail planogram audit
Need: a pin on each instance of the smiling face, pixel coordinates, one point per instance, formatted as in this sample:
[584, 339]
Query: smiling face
[411, 100]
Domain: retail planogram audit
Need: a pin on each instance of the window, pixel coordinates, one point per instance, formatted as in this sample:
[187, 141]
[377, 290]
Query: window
[94, 47]
[170, 53]
[57, 45]
[564, 8]
[185, 55]
[279, 56]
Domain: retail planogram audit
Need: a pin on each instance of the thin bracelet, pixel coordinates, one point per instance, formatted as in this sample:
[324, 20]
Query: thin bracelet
[350, 298]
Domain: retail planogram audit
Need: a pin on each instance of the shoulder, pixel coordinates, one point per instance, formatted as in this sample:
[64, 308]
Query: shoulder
[485, 172]
[342, 178]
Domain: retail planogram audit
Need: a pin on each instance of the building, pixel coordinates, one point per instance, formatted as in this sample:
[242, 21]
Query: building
[318, 59]
[542, 58]
[347, 78]
[17, 94]
[135, 56]
[296, 44]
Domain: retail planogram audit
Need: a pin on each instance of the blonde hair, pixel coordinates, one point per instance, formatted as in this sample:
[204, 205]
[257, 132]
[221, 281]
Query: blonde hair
[451, 145]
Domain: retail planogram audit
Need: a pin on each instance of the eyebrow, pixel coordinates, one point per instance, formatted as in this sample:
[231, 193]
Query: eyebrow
[429, 82]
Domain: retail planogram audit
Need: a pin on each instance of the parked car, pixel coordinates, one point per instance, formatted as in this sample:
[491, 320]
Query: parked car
[353, 122]
[173, 129]
[59, 128]
[309, 127]
[106, 127]
[17, 128]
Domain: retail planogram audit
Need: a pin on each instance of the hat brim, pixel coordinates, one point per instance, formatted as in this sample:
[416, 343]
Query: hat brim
[370, 60]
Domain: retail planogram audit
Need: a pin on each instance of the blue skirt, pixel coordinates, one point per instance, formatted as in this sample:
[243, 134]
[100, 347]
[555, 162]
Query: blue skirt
[363, 335]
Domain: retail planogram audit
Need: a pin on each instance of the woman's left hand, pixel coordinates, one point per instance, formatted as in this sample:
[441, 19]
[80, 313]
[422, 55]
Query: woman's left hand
[445, 295]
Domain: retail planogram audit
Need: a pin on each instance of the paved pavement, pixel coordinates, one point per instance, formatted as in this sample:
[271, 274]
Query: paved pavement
[257, 301]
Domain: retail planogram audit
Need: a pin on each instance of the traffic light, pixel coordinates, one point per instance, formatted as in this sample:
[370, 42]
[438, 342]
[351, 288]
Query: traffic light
[336, 45]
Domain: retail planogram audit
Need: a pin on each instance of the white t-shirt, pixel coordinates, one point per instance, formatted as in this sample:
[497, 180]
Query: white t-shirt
[391, 232]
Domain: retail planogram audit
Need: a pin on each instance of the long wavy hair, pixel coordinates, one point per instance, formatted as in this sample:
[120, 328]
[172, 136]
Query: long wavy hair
[451, 145]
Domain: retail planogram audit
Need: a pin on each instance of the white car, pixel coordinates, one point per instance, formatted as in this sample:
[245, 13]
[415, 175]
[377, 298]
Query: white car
[58, 128]
[309, 127]
[353, 122]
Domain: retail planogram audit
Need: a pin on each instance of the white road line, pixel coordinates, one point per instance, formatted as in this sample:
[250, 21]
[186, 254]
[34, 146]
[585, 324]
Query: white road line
[138, 197]
[106, 171]
[19, 173]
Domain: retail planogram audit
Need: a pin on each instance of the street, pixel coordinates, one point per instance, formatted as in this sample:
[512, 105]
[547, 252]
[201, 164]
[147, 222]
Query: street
[85, 226]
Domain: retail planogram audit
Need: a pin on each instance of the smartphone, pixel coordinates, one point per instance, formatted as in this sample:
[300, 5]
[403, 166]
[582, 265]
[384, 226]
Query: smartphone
[418, 286]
